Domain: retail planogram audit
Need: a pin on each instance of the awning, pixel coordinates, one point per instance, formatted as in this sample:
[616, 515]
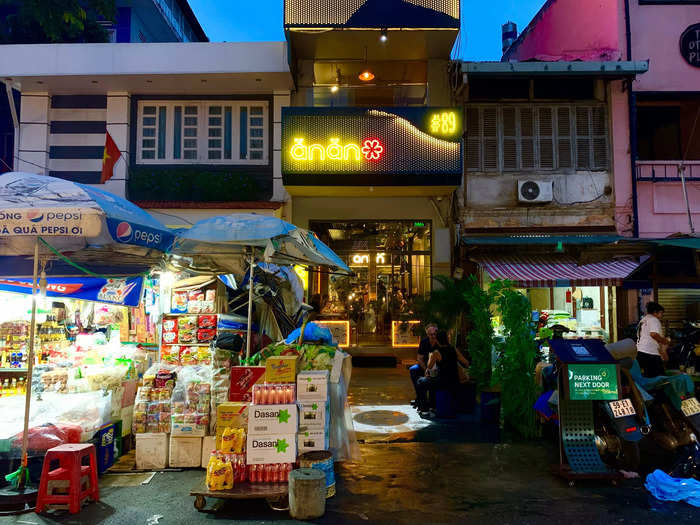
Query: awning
[542, 238]
[545, 272]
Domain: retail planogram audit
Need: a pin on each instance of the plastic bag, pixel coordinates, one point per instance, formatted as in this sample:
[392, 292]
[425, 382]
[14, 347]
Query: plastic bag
[665, 488]
[343, 443]
[312, 332]
[48, 436]
[219, 474]
[191, 399]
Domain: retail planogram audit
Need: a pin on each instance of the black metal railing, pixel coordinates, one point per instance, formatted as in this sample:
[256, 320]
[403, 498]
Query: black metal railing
[667, 170]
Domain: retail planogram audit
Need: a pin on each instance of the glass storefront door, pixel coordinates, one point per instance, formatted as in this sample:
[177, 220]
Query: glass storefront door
[392, 265]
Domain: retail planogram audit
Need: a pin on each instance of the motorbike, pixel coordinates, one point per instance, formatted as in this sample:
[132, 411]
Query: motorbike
[685, 354]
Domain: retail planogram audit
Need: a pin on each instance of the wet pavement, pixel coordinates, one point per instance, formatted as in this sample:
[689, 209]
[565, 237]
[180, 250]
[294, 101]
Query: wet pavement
[409, 471]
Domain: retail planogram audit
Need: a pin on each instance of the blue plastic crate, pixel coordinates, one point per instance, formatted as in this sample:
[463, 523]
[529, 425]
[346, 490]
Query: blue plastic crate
[104, 443]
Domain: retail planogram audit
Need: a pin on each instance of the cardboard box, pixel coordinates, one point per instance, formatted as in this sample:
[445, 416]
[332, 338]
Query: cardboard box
[188, 430]
[208, 446]
[276, 448]
[127, 417]
[312, 385]
[232, 414]
[151, 451]
[314, 415]
[273, 419]
[281, 369]
[185, 452]
[242, 380]
[310, 440]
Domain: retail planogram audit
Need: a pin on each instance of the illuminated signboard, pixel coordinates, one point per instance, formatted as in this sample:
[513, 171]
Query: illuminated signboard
[363, 259]
[357, 146]
[402, 334]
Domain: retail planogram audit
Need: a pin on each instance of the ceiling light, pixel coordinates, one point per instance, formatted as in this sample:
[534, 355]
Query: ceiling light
[383, 36]
[334, 88]
[366, 76]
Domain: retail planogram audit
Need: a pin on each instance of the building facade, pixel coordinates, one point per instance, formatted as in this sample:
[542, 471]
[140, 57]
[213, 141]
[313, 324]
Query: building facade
[654, 117]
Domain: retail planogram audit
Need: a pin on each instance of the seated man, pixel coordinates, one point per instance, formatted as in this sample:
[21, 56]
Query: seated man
[426, 346]
[441, 373]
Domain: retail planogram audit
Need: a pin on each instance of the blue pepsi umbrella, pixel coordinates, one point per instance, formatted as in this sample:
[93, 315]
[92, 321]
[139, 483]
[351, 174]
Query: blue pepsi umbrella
[64, 216]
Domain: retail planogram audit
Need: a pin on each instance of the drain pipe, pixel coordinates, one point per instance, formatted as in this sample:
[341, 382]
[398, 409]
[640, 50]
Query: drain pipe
[632, 109]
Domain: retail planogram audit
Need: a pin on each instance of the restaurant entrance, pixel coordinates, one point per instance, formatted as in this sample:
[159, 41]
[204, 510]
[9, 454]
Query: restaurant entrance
[391, 261]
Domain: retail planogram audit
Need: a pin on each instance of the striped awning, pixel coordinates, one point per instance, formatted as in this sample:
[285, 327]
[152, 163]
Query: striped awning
[544, 272]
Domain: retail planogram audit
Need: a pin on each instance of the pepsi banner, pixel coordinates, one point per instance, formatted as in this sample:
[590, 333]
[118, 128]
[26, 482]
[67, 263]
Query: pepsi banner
[120, 291]
[137, 235]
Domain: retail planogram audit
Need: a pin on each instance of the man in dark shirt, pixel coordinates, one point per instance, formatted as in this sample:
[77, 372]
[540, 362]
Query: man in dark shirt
[427, 345]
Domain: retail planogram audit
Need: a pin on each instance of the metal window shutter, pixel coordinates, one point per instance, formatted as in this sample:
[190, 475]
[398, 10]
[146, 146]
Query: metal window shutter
[564, 144]
[599, 121]
[583, 140]
[675, 302]
[510, 140]
[527, 138]
[474, 139]
[545, 137]
[490, 127]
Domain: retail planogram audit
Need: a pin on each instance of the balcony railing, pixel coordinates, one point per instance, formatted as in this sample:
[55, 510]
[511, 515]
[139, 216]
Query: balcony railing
[372, 13]
[667, 170]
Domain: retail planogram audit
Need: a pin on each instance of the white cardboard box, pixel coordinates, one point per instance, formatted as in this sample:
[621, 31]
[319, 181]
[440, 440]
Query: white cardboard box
[151, 451]
[273, 419]
[314, 415]
[208, 446]
[277, 448]
[312, 439]
[185, 452]
[312, 385]
[127, 417]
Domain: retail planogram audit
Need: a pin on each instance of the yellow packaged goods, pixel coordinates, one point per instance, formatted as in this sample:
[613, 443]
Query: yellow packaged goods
[232, 440]
[219, 474]
[230, 415]
[281, 369]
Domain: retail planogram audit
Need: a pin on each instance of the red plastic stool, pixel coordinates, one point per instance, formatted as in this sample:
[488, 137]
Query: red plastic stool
[71, 469]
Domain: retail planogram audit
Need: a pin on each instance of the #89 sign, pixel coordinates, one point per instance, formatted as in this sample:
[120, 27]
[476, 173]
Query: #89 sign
[592, 382]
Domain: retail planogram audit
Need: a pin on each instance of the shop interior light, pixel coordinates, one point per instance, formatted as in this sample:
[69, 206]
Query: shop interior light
[334, 88]
[383, 36]
[366, 75]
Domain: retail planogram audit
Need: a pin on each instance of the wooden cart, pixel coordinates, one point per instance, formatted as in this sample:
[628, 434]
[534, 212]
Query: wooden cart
[276, 495]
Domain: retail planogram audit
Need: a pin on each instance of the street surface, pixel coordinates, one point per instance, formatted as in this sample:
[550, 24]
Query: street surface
[423, 472]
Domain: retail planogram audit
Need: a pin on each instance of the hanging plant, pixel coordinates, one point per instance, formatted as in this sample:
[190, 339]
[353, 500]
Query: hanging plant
[515, 367]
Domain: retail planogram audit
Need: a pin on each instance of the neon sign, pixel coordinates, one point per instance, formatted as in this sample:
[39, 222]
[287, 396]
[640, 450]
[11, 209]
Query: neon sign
[372, 149]
[444, 123]
[359, 258]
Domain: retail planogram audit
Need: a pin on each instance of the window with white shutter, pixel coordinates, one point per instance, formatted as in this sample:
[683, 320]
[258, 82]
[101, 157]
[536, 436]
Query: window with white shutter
[529, 137]
[198, 132]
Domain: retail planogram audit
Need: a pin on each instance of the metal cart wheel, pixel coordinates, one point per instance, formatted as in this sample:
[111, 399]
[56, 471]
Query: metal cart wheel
[200, 503]
[279, 503]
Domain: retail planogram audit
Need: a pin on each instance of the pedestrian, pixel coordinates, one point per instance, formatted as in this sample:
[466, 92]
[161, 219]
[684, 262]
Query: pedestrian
[426, 346]
[651, 343]
[441, 373]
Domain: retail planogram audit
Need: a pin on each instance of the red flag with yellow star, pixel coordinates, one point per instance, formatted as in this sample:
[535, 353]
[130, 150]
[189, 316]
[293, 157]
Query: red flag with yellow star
[109, 159]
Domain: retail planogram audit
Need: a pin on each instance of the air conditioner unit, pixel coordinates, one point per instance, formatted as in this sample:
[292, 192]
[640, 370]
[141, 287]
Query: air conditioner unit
[534, 191]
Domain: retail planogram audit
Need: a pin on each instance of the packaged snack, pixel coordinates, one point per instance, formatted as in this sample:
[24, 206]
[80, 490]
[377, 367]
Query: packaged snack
[210, 295]
[220, 475]
[170, 338]
[195, 295]
[203, 355]
[207, 321]
[204, 335]
[179, 302]
[170, 354]
[228, 440]
[187, 336]
[165, 379]
[170, 325]
[207, 307]
[188, 356]
[187, 322]
[194, 307]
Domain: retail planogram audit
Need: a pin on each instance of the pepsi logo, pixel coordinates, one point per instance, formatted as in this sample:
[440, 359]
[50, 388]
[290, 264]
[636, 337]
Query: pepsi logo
[35, 216]
[124, 232]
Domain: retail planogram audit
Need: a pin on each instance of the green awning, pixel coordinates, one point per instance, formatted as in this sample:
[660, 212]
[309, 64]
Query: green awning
[681, 242]
[542, 239]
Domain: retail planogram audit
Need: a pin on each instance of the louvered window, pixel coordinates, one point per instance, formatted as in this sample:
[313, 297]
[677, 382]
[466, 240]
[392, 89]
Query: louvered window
[530, 137]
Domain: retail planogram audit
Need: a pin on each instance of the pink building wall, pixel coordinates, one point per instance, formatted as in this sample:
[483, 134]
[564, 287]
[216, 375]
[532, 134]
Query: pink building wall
[571, 30]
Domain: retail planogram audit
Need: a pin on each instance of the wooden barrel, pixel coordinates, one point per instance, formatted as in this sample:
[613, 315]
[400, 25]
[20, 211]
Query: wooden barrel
[307, 494]
[321, 460]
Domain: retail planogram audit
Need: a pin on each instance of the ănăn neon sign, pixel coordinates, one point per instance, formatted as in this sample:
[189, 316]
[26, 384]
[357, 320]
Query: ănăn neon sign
[371, 150]
[360, 258]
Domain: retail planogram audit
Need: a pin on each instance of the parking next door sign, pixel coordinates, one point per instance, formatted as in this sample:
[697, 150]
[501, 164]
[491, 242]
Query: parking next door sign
[592, 382]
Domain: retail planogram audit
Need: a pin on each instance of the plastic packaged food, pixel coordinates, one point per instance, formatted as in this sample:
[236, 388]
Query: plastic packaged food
[187, 322]
[179, 302]
[207, 321]
[204, 335]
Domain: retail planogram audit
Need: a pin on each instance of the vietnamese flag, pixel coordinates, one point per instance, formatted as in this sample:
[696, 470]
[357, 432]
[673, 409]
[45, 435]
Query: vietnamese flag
[109, 159]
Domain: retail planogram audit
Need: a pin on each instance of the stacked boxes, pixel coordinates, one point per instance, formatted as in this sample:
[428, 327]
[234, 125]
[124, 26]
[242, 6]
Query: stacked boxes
[314, 409]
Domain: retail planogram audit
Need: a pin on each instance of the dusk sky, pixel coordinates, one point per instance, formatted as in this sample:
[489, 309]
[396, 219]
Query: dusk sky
[240, 20]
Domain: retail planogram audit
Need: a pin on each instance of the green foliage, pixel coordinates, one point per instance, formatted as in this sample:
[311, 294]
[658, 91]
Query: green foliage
[445, 306]
[515, 368]
[191, 184]
[480, 338]
[55, 21]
